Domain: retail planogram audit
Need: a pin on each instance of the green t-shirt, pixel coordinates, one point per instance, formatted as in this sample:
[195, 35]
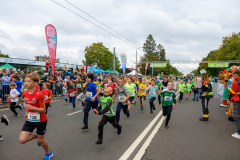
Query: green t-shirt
[181, 87]
[159, 85]
[193, 83]
[131, 89]
[79, 85]
[188, 87]
[105, 100]
[173, 78]
[168, 97]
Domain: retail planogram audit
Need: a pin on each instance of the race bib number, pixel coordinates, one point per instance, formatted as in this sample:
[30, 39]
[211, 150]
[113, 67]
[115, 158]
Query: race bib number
[181, 88]
[107, 113]
[130, 93]
[189, 87]
[33, 117]
[143, 91]
[152, 92]
[122, 98]
[45, 97]
[164, 87]
[89, 94]
[79, 85]
[72, 94]
[168, 98]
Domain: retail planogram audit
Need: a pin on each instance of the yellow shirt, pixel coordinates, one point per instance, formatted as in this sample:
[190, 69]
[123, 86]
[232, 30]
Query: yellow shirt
[142, 92]
[137, 82]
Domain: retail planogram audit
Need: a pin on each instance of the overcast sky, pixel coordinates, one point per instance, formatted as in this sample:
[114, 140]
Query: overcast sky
[188, 30]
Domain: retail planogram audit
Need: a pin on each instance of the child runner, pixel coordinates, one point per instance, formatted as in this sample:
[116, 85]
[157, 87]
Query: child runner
[152, 95]
[14, 99]
[90, 98]
[5, 120]
[175, 83]
[123, 97]
[47, 95]
[72, 90]
[159, 84]
[132, 89]
[65, 92]
[181, 89]
[108, 114]
[35, 115]
[168, 102]
[79, 83]
[188, 88]
[142, 93]
[18, 85]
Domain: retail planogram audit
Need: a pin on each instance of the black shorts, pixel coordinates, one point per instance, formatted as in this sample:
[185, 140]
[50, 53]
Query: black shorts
[131, 99]
[30, 126]
[144, 97]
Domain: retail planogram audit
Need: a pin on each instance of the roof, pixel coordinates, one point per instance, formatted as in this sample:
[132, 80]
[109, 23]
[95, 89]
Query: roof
[130, 69]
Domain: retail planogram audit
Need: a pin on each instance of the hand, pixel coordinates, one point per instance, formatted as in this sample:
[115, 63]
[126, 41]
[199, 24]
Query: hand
[114, 102]
[173, 106]
[12, 97]
[27, 106]
[122, 101]
[95, 111]
[93, 99]
[83, 101]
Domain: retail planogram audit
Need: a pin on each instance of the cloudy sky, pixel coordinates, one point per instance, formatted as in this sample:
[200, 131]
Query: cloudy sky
[188, 30]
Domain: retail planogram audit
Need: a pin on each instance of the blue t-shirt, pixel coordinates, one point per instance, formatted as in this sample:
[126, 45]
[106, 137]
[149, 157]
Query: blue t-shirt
[18, 85]
[152, 91]
[4, 80]
[91, 91]
[72, 77]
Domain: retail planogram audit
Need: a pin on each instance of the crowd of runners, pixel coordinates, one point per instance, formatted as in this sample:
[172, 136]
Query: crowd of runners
[100, 92]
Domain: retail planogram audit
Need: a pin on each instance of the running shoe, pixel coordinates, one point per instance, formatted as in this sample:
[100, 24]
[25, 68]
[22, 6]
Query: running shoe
[203, 119]
[154, 107]
[48, 156]
[151, 112]
[141, 107]
[166, 126]
[128, 114]
[135, 103]
[4, 119]
[20, 107]
[74, 109]
[119, 130]
[186, 98]
[99, 141]
[236, 135]
[66, 103]
[1, 138]
[85, 127]
[193, 99]
[16, 115]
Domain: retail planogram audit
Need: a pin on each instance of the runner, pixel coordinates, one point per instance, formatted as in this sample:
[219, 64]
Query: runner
[47, 95]
[132, 89]
[14, 99]
[168, 102]
[175, 83]
[188, 88]
[108, 114]
[152, 95]
[65, 92]
[181, 89]
[72, 90]
[142, 93]
[123, 97]
[18, 85]
[90, 98]
[35, 115]
[5, 120]
[164, 83]
[81, 91]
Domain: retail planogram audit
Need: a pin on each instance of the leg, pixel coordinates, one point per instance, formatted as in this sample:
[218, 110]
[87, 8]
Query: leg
[125, 110]
[86, 110]
[194, 96]
[164, 108]
[159, 99]
[169, 111]
[73, 102]
[46, 106]
[205, 107]
[118, 110]
[26, 137]
[112, 120]
[12, 108]
[142, 101]
[43, 143]
[100, 127]
[236, 115]
[199, 89]
[129, 105]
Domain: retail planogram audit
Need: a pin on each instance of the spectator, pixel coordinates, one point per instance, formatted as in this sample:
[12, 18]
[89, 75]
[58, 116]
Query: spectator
[5, 85]
[187, 78]
[45, 77]
[47, 65]
[198, 85]
[73, 76]
[59, 82]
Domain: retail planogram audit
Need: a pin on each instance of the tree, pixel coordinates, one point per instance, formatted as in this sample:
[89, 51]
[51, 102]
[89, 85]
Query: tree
[149, 47]
[161, 52]
[3, 55]
[97, 54]
[57, 59]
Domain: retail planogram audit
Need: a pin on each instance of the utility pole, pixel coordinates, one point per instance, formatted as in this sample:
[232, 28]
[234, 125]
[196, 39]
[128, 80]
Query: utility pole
[136, 62]
[114, 60]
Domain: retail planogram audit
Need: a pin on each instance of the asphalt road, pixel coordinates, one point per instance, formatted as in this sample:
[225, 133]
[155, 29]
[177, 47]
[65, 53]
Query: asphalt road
[187, 138]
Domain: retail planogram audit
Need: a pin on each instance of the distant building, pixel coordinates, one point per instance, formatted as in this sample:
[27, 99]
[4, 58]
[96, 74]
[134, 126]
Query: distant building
[40, 58]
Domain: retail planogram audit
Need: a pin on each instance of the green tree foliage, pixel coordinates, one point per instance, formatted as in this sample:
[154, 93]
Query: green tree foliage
[97, 54]
[57, 59]
[228, 50]
[153, 52]
[3, 55]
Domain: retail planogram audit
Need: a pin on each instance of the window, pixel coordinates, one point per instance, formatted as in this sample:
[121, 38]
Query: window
[37, 58]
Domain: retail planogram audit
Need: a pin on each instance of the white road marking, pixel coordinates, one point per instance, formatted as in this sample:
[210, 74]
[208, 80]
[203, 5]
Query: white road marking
[130, 150]
[74, 113]
[141, 152]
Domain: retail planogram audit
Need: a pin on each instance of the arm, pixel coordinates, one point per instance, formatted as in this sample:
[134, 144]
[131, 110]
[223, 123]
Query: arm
[114, 96]
[85, 96]
[234, 89]
[98, 92]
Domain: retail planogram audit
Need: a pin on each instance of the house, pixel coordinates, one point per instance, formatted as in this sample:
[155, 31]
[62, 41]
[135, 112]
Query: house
[40, 58]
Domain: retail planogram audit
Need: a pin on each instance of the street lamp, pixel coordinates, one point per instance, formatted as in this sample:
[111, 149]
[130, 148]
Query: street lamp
[136, 60]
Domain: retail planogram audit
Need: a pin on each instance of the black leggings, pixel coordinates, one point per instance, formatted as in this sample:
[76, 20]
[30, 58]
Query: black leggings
[181, 96]
[104, 121]
[159, 99]
[151, 102]
[46, 106]
[13, 107]
[167, 110]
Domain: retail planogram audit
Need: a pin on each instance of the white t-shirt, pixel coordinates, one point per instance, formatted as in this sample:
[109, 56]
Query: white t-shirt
[14, 93]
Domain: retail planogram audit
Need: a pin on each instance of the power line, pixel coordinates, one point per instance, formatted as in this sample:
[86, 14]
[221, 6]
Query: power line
[101, 23]
[92, 23]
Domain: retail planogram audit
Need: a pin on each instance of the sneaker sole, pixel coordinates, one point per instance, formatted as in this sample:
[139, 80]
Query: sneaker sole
[5, 117]
[238, 137]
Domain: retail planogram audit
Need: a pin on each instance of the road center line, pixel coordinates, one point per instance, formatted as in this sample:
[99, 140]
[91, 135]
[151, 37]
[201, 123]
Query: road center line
[74, 113]
[130, 150]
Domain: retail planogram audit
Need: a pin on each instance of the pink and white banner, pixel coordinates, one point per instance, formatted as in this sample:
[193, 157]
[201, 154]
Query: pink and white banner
[146, 66]
[51, 35]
